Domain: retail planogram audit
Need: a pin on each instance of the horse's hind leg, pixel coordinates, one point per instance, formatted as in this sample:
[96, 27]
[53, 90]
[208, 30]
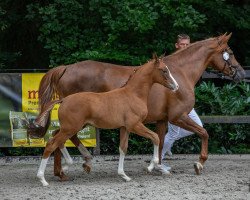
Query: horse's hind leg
[58, 170]
[161, 128]
[51, 146]
[87, 157]
[124, 135]
[161, 131]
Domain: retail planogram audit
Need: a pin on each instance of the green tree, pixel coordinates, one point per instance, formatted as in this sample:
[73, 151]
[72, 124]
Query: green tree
[116, 31]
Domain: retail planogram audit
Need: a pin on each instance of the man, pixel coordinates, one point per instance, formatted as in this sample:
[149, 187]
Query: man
[174, 132]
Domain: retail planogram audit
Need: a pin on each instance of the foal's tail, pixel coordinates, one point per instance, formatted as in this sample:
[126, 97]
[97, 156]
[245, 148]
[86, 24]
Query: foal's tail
[47, 90]
[42, 122]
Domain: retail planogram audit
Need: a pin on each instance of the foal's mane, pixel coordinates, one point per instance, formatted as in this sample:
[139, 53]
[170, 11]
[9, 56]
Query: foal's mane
[135, 70]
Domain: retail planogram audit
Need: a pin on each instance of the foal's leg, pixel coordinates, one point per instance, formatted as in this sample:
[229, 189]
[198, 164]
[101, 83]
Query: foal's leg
[51, 146]
[58, 170]
[187, 123]
[87, 157]
[124, 135]
[142, 130]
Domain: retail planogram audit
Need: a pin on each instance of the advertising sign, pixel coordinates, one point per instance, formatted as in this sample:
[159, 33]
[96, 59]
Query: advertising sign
[19, 106]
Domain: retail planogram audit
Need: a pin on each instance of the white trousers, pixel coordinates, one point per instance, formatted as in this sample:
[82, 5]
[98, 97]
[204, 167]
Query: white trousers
[175, 133]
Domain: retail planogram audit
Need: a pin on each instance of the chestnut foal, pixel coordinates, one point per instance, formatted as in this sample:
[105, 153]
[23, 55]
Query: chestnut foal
[125, 107]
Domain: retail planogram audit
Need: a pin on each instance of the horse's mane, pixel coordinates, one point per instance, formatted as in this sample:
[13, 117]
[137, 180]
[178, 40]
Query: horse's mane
[193, 45]
[188, 51]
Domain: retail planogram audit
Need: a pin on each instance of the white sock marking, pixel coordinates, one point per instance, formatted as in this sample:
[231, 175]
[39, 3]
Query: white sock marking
[41, 170]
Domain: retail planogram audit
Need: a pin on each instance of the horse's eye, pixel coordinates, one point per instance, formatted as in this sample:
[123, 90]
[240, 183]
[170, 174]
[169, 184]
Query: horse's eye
[225, 55]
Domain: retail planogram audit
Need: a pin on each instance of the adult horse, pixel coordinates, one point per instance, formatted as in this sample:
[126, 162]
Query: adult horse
[186, 65]
[123, 107]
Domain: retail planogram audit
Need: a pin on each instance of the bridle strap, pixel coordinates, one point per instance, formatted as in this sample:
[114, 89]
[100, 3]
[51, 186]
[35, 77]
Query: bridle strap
[233, 68]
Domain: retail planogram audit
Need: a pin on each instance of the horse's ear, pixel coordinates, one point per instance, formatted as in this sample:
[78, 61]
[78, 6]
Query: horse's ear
[224, 38]
[228, 37]
[155, 57]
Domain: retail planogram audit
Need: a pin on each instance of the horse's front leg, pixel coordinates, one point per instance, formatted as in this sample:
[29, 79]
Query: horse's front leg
[142, 130]
[124, 135]
[187, 123]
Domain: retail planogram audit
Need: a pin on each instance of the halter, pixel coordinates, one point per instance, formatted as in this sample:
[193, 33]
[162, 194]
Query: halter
[226, 57]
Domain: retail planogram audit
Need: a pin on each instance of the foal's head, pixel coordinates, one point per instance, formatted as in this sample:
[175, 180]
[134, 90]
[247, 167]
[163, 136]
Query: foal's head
[223, 59]
[163, 75]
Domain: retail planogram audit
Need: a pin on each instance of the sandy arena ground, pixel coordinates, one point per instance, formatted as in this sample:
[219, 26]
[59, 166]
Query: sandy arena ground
[224, 177]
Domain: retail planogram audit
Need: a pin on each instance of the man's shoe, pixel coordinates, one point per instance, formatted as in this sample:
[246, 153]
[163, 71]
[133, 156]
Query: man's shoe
[166, 167]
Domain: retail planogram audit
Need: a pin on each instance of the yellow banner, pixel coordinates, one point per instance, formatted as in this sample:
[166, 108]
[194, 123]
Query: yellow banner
[30, 86]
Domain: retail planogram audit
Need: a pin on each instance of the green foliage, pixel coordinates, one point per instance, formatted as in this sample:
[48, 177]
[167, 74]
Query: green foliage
[137, 144]
[126, 32]
[231, 99]
[111, 144]
[119, 31]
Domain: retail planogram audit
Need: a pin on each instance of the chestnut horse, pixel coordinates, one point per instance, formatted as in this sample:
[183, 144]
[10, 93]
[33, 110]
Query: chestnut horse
[186, 65]
[123, 107]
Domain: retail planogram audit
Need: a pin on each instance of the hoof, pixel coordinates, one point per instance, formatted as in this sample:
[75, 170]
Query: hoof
[127, 179]
[198, 167]
[42, 179]
[124, 176]
[63, 178]
[65, 168]
[87, 168]
[149, 170]
[151, 167]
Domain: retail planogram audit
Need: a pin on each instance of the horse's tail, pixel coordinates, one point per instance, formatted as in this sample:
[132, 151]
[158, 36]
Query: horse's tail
[48, 86]
[47, 89]
[39, 128]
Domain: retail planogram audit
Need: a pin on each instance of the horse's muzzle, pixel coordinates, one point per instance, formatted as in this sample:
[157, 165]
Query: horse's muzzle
[239, 76]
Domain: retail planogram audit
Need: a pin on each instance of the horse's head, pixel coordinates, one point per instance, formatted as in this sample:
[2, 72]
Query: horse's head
[223, 59]
[164, 75]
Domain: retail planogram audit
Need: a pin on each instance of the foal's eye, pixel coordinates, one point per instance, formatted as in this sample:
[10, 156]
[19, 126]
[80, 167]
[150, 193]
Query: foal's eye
[165, 72]
[225, 55]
